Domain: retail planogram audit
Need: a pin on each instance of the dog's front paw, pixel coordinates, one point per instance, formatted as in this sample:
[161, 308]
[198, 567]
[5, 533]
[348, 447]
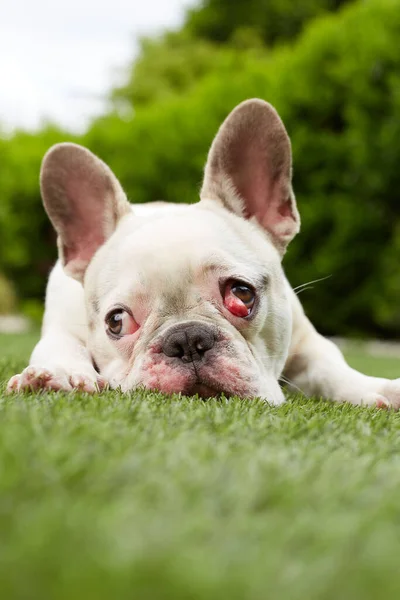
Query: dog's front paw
[35, 378]
[388, 396]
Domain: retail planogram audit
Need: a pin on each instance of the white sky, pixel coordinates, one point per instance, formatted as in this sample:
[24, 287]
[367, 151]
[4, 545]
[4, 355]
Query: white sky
[58, 58]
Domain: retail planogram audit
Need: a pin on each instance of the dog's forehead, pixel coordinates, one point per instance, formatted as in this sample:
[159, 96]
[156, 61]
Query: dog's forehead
[169, 229]
[184, 241]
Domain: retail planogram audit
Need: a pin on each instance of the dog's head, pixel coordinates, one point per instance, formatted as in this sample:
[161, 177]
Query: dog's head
[187, 299]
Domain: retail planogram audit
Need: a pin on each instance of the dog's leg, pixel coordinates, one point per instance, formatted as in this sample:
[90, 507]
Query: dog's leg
[318, 368]
[60, 360]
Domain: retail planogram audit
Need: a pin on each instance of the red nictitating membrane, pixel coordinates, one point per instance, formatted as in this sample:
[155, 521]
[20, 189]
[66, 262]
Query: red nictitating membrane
[133, 326]
[129, 324]
[235, 305]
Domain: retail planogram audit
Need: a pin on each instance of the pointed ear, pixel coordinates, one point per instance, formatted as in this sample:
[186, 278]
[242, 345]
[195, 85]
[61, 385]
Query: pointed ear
[249, 170]
[84, 201]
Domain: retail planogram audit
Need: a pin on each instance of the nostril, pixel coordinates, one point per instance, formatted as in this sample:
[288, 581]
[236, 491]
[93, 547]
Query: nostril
[175, 349]
[178, 351]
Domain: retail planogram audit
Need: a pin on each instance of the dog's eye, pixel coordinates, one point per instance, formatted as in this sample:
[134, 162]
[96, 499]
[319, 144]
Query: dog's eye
[239, 298]
[244, 293]
[119, 323]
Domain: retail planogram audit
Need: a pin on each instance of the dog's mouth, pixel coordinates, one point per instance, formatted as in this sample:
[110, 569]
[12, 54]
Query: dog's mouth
[203, 390]
[208, 379]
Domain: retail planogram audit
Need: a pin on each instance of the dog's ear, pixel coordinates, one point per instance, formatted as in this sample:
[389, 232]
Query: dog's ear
[84, 201]
[249, 170]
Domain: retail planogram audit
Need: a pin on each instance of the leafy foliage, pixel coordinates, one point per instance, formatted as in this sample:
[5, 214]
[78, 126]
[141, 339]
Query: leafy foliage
[166, 66]
[270, 20]
[7, 296]
[27, 248]
[176, 60]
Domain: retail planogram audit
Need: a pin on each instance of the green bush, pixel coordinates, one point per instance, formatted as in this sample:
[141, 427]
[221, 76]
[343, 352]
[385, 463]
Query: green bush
[214, 30]
[271, 20]
[27, 248]
[8, 300]
[166, 66]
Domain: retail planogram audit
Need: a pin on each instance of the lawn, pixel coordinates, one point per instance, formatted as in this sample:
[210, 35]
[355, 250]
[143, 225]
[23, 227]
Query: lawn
[143, 496]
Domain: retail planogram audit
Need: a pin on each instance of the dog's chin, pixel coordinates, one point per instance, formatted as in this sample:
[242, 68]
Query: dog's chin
[203, 391]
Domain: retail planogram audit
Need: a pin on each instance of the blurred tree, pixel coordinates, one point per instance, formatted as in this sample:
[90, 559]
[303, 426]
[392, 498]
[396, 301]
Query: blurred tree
[27, 249]
[212, 31]
[167, 65]
[8, 299]
[271, 21]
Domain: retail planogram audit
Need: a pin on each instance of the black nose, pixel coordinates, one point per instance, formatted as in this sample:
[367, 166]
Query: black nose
[188, 341]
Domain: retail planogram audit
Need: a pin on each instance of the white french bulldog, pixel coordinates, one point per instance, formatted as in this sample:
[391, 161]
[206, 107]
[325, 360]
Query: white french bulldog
[179, 298]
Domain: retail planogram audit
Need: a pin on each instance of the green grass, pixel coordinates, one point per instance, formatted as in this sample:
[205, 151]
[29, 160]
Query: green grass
[143, 496]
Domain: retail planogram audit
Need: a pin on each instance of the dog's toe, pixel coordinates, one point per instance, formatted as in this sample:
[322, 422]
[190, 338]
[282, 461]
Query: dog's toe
[84, 384]
[391, 392]
[35, 378]
[12, 385]
[389, 396]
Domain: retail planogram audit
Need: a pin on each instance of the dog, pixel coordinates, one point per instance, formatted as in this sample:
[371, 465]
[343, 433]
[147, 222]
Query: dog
[188, 299]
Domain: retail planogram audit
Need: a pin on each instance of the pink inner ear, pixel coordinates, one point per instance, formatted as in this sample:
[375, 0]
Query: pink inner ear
[84, 230]
[83, 247]
[261, 186]
[88, 220]
[277, 217]
[286, 209]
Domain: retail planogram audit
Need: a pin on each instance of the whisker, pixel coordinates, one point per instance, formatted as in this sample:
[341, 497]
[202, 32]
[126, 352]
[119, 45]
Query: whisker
[289, 382]
[304, 289]
[303, 285]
